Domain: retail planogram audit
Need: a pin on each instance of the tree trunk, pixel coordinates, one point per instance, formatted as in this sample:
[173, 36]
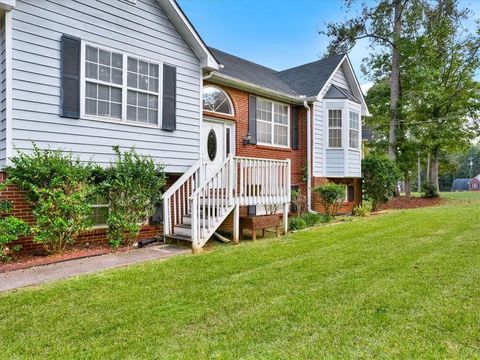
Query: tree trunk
[408, 185]
[428, 168]
[419, 174]
[434, 171]
[395, 81]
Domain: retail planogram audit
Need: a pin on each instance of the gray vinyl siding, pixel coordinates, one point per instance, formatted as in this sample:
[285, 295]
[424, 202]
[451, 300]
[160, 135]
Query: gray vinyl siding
[3, 103]
[318, 140]
[340, 79]
[141, 29]
[335, 163]
[354, 163]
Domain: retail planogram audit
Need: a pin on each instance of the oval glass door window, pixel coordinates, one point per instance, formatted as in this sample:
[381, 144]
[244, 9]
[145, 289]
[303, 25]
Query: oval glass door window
[212, 145]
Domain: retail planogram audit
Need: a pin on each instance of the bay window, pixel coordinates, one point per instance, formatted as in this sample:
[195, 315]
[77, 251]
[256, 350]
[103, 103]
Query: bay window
[120, 87]
[354, 130]
[335, 128]
[272, 123]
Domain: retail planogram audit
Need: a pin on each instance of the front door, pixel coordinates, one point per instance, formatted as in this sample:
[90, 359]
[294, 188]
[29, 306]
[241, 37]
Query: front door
[217, 143]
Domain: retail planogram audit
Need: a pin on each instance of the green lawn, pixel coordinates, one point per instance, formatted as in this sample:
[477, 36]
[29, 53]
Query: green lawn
[400, 285]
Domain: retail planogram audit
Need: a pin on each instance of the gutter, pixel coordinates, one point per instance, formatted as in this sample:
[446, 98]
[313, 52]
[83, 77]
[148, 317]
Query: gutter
[309, 154]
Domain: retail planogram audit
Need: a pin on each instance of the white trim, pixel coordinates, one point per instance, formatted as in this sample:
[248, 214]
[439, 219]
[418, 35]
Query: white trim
[8, 89]
[341, 128]
[229, 99]
[358, 129]
[185, 28]
[273, 124]
[124, 87]
[320, 94]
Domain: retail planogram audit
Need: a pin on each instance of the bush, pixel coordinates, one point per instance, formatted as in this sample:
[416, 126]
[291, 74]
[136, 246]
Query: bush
[296, 223]
[380, 175]
[299, 201]
[361, 210]
[312, 219]
[57, 187]
[132, 185]
[331, 197]
[429, 191]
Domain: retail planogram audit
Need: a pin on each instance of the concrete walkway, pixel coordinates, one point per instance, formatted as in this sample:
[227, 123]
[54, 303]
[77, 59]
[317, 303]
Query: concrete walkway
[41, 274]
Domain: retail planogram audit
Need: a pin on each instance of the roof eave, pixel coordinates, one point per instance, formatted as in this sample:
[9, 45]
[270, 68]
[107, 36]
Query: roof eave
[190, 35]
[256, 89]
[7, 4]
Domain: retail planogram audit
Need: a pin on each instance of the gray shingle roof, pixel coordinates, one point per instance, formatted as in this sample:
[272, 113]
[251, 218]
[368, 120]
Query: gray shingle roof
[306, 79]
[250, 72]
[337, 92]
[310, 78]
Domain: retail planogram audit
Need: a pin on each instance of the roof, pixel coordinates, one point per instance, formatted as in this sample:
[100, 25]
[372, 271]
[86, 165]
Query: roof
[245, 70]
[310, 78]
[460, 184]
[337, 92]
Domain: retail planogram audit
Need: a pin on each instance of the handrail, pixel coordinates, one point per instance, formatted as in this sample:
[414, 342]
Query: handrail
[210, 177]
[257, 158]
[169, 192]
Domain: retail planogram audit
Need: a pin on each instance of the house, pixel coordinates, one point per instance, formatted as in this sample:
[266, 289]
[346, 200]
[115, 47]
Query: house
[234, 136]
[474, 184]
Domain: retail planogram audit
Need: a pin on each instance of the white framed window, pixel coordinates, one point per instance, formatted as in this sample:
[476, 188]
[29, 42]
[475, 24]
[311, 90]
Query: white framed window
[272, 123]
[354, 130]
[335, 128]
[100, 210]
[120, 87]
[216, 100]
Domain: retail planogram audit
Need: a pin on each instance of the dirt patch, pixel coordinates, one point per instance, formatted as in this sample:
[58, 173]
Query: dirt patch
[29, 260]
[402, 202]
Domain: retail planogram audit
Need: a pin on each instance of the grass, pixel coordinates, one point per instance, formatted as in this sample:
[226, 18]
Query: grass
[400, 285]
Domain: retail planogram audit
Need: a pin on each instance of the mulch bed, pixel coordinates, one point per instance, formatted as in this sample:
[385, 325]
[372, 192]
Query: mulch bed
[402, 202]
[24, 261]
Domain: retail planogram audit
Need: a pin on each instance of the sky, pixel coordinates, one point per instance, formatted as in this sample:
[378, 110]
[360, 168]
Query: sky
[276, 33]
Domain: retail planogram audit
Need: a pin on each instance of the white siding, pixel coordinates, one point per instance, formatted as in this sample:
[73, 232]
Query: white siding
[339, 79]
[354, 163]
[3, 131]
[140, 29]
[335, 163]
[318, 140]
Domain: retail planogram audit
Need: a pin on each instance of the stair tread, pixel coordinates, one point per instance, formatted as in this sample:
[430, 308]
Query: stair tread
[179, 237]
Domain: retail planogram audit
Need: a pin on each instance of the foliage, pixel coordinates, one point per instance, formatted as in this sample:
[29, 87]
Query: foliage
[312, 219]
[429, 190]
[132, 185]
[362, 210]
[296, 223]
[380, 176]
[271, 209]
[413, 275]
[331, 197]
[300, 201]
[57, 187]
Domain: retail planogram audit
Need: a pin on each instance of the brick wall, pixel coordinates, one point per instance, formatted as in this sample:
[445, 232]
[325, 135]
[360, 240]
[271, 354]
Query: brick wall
[22, 210]
[297, 157]
[347, 206]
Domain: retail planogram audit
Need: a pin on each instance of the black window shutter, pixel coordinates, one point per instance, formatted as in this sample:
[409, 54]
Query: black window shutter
[294, 127]
[350, 193]
[70, 77]
[169, 121]
[252, 118]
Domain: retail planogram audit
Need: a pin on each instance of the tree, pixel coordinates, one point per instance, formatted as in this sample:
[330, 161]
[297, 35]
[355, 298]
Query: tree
[380, 176]
[443, 96]
[384, 24]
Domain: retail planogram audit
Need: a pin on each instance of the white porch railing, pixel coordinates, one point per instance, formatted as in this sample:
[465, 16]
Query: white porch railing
[206, 202]
[175, 199]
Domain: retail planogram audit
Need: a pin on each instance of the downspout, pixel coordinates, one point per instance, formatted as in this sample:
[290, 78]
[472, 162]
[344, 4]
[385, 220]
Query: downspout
[309, 156]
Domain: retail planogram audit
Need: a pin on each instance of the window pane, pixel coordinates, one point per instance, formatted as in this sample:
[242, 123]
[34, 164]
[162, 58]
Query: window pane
[142, 115]
[92, 54]
[154, 70]
[132, 64]
[104, 57]
[143, 67]
[91, 90]
[281, 135]
[91, 70]
[132, 80]
[116, 95]
[154, 85]
[117, 60]
[153, 116]
[103, 92]
[103, 108]
[132, 97]
[104, 73]
[91, 107]
[116, 111]
[143, 82]
[142, 99]
[153, 102]
[335, 138]
[131, 113]
[216, 100]
[117, 76]
[264, 132]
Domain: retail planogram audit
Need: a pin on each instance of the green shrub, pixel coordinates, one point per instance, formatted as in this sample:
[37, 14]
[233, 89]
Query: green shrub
[132, 185]
[331, 197]
[57, 187]
[312, 219]
[361, 210]
[380, 176]
[429, 191]
[300, 201]
[296, 223]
